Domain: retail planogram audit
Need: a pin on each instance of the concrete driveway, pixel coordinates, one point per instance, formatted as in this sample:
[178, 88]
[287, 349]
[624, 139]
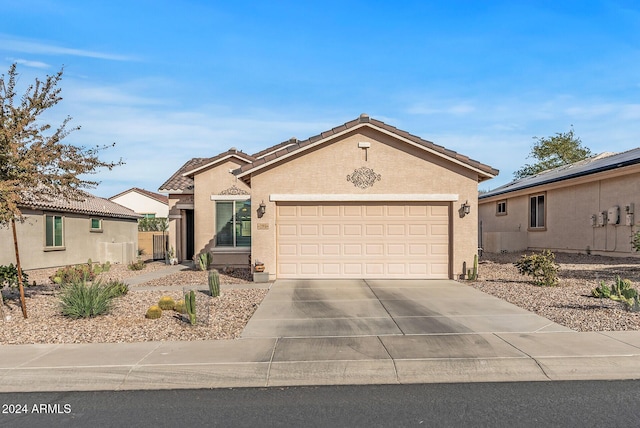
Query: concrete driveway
[346, 308]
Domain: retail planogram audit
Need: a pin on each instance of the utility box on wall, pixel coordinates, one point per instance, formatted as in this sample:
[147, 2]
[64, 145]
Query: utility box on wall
[613, 215]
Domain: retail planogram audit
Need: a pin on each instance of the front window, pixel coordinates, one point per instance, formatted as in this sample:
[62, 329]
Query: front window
[536, 212]
[148, 215]
[54, 231]
[233, 223]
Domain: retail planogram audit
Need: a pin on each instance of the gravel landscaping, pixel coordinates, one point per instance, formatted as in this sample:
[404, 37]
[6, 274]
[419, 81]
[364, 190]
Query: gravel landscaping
[223, 317]
[569, 304]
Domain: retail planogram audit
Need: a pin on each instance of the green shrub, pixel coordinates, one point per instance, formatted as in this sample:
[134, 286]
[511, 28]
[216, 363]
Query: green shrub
[154, 312]
[81, 300]
[9, 276]
[542, 267]
[635, 242]
[117, 288]
[166, 303]
[137, 265]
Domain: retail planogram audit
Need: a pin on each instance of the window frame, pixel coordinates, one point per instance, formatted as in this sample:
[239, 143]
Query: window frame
[95, 229]
[501, 203]
[235, 222]
[539, 213]
[53, 246]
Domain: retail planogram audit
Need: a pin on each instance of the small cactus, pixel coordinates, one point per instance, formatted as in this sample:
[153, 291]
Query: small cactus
[166, 303]
[190, 305]
[214, 283]
[180, 307]
[154, 312]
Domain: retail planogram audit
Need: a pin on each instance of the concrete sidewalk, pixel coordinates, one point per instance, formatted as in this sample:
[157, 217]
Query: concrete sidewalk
[331, 333]
[321, 361]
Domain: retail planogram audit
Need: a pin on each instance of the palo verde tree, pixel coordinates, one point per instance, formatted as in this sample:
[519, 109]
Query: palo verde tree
[35, 165]
[561, 149]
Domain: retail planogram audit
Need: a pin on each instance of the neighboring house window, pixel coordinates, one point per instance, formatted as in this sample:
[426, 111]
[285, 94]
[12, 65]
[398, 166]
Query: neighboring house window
[149, 215]
[54, 231]
[536, 212]
[501, 208]
[96, 225]
[233, 223]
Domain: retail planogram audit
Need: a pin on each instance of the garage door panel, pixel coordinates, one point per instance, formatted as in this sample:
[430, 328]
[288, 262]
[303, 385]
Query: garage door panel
[399, 240]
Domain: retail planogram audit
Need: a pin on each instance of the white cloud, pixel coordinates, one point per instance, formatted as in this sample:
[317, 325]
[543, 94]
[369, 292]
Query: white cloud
[28, 63]
[14, 44]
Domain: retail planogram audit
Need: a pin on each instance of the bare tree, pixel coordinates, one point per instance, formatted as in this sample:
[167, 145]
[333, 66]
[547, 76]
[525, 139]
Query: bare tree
[34, 163]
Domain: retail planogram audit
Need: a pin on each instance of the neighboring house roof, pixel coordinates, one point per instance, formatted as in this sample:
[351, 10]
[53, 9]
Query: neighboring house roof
[178, 183]
[153, 195]
[291, 147]
[600, 163]
[90, 205]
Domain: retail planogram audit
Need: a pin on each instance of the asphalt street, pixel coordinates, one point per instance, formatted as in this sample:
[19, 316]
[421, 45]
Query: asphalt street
[522, 404]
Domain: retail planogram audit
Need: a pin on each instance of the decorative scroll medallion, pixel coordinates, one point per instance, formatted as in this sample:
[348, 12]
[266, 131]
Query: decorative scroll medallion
[363, 177]
[234, 190]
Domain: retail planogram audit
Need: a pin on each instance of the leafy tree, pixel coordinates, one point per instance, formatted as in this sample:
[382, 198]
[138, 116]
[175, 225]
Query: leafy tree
[551, 152]
[34, 163]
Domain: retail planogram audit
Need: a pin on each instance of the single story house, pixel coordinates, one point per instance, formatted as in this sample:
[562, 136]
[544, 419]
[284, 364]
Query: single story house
[144, 202]
[362, 200]
[58, 232]
[585, 207]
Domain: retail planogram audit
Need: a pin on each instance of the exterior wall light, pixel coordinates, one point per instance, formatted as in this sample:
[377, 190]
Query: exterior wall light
[262, 208]
[466, 208]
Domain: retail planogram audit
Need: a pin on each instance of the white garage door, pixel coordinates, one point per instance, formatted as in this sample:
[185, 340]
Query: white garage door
[356, 240]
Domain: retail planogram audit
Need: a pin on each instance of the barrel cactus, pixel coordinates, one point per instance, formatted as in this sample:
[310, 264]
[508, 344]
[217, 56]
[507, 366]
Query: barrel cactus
[166, 303]
[154, 312]
[179, 307]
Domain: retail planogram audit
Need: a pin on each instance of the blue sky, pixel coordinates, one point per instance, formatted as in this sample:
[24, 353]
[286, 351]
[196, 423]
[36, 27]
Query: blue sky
[168, 81]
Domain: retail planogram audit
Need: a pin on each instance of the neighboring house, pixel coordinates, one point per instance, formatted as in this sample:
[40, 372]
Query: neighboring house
[144, 202]
[362, 200]
[587, 207]
[58, 232]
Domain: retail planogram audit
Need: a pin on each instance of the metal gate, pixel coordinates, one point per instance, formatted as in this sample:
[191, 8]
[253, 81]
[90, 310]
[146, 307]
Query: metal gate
[160, 245]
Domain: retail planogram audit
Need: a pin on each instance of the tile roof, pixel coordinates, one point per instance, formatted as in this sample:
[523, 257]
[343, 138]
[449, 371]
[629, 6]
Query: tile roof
[90, 205]
[291, 146]
[600, 163]
[153, 195]
[178, 183]
[205, 162]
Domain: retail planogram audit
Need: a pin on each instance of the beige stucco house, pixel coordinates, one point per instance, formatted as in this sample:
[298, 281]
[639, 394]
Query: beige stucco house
[144, 202]
[58, 233]
[362, 200]
[585, 207]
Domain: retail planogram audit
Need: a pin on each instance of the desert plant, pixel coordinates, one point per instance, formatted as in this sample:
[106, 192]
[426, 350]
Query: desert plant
[621, 291]
[190, 306]
[117, 288]
[137, 265]
[81, 300]
[214, 283]
[542, 267]
[166, 303]
[154, 312]
[9, 276]
[180, 307]
[76, 273]
[635, 242]
[204, 260]
[472, 274]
